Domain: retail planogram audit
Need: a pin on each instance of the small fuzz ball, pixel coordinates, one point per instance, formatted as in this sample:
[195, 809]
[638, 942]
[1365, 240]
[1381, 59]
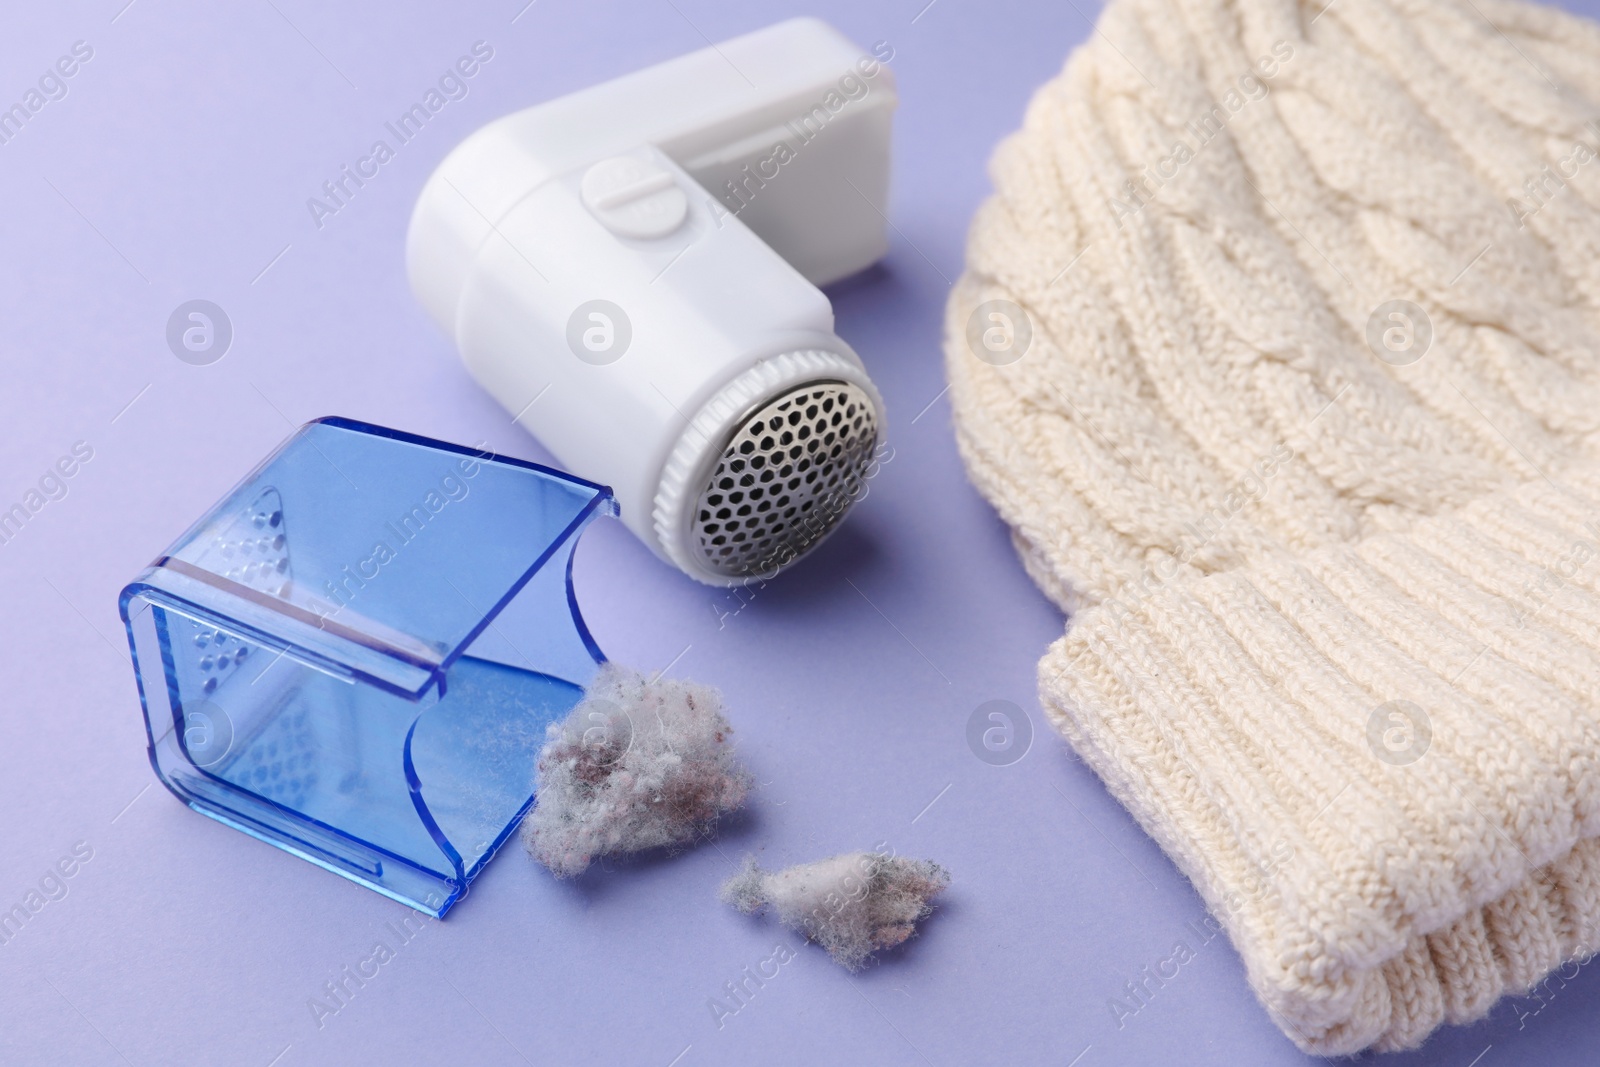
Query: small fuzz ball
[636, 765]
[852, 905]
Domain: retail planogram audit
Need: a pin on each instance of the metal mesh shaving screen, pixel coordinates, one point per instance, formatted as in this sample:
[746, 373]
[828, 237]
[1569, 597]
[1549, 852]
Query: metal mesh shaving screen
[786, 479]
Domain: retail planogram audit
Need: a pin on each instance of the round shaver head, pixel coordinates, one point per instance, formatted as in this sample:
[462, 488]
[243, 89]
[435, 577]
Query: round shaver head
[785, 479]
[768, 465]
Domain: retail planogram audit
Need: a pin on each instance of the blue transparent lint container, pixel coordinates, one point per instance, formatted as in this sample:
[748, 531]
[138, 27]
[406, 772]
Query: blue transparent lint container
[354, 655]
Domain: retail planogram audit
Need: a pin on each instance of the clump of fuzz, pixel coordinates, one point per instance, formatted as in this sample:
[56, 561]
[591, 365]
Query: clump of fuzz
[852, 905]
[637, 764]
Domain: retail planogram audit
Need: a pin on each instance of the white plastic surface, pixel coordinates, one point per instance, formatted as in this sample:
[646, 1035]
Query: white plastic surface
[605, 295]
[716, 111]
[634, 198]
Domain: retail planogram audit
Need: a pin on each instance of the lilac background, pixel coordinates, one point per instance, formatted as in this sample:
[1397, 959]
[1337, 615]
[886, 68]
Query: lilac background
[178, 167]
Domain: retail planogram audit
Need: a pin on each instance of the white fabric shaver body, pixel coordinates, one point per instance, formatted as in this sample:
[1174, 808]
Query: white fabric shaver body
[632, 271]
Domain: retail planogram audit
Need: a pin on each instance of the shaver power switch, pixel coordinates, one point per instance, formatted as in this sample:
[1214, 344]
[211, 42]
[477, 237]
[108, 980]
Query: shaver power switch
[634, 197]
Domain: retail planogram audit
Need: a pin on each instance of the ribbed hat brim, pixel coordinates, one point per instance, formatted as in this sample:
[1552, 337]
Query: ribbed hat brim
[1379, 872]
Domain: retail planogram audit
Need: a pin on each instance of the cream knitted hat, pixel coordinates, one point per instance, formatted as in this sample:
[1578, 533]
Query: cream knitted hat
[1279, 350]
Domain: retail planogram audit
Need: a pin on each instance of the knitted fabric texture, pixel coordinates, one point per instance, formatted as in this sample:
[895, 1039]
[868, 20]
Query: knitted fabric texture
[1279, 351]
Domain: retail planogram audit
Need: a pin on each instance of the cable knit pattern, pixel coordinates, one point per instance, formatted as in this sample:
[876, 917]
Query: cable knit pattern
[1333, 590]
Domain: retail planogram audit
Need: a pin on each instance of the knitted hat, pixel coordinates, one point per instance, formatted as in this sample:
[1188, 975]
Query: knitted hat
[1279, 350]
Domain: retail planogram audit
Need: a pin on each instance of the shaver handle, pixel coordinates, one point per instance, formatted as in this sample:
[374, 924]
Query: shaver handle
[622, 296]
